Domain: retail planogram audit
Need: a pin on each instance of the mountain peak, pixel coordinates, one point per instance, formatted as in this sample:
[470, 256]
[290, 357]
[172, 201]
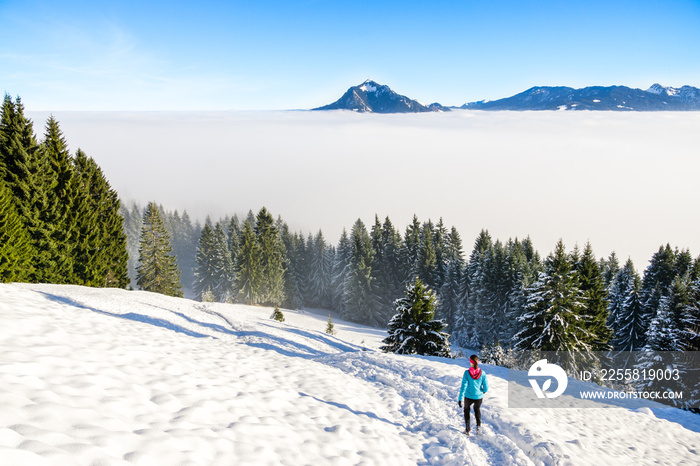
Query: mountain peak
[372, 97]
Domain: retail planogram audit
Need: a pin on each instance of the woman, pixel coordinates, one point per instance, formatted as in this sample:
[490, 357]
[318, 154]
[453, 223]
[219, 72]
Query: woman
[474, 385]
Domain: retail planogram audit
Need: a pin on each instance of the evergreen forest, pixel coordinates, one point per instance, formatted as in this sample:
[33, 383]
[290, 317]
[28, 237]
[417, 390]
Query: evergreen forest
[503, 293]
[59, 217]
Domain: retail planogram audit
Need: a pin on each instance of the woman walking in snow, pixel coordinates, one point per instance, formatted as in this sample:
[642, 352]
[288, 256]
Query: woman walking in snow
[474, 385]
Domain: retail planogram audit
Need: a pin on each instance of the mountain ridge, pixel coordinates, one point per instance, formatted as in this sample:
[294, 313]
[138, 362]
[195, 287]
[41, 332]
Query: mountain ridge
[371, 97]
[609, 98]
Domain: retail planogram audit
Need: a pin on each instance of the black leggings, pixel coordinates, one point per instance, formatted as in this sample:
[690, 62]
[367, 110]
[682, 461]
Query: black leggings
[477, 410]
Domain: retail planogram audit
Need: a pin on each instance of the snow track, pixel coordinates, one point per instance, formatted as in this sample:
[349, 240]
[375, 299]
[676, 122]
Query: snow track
[426, 398]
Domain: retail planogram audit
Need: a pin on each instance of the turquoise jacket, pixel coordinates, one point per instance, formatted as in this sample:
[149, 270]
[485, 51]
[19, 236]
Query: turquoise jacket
[473, 389]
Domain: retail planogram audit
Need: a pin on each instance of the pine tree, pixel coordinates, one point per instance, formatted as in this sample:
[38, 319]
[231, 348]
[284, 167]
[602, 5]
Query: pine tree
[248, 267]
[277, 315]
[427, 264]
[555, 317]
[467, 330]
[296, 269]
[658, 276]
[609, 268]
[15, 247]
[234, 237]
[272, 258]
[341, 264]
[666, 329]
[386, 266]
[58, 205]
[412, 241]
[450, 291]
[413, 329]
[690, 336]
[100, 256]
[157, 270]
[359, 293]
[626, 318]
[319, 272]
[440, 241]
[22, 173]
[592, 285]
[214, 269]
[330, 328]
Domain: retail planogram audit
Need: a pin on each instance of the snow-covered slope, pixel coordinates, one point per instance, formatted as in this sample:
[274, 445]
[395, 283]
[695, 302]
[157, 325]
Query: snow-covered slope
[107, 377]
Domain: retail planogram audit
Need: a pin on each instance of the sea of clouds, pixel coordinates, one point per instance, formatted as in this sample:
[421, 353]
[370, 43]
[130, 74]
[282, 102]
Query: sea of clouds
[624, 181]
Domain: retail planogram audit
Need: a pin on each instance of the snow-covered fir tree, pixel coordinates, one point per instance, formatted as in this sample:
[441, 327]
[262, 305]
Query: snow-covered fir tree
[157, 270]
[466, 323]
[341, 266]
[626, 313]
[214, 271]
[248, 270]
[296, 273]
[272, 258]
[555, 316]
[360, 303]
[414, 329]
[592, 284]
[320, 272]
[450, 292]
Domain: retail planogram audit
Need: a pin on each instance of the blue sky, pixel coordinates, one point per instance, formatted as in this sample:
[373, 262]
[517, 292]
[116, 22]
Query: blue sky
[225, 55]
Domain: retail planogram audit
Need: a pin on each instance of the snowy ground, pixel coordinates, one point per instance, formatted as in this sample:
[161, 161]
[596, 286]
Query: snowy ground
[108, 377]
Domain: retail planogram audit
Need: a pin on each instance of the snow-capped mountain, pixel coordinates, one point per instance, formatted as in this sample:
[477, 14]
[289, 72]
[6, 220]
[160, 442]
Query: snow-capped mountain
[616, 98]
[370, 97]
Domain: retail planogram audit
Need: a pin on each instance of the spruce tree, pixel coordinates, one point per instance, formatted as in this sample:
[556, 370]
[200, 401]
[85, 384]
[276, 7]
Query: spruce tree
[592, 284]
[666, 329]
[658, 276]
[450, 291]
[413, 329]
[15, 247]
[473, 295]
[296, 269]
[340, 270]
[555, 315]
[58, 206]
[319, 272]
[412, 240]
[690, 322]
[272, 258]
[330, 328]
[626, 314]
[248, 267]
[360, 302]
[157, 270]
[427, 264]
[100, 256]
[277, 315]
[209, 269]
[21, 169]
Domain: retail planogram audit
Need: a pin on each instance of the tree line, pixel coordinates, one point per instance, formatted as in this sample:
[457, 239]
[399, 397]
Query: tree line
[505, 293]
[59, 217]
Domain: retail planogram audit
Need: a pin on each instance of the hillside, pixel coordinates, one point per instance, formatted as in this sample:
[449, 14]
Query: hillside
[109, 377]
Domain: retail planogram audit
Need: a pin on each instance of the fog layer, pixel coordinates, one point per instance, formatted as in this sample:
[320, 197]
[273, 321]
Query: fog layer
[625, 181]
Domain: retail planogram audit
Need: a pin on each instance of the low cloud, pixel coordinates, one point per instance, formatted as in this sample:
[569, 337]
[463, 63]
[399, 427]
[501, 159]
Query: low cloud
[624, 181]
